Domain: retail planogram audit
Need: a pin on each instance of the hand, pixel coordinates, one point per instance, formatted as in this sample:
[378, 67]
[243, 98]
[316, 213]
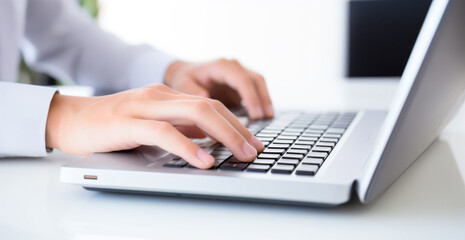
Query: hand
[146, 116]
[224, 80]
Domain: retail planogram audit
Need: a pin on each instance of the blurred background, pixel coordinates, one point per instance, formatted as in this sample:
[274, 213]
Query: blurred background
[319, 45]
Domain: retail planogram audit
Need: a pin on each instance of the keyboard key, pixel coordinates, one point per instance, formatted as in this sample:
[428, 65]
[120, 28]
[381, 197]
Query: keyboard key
[321, 149]
[344, 119]
[325, 144]
[221, 148]
[318, 127]
[315, 161]
[316, 131]
[221, 151]
[265, 139]
[305, 169]
[222, 157]
[233, 166]
[287, 137]
[317, 155]
[298, 125]
[274, 150]
[296, 130]
[308, 139]
[273, 145]
[326, 135]
[217, 163]
[190, 166]
[273, 128]
[293, 156]
[333, 140]
[300, 142]
[269, 156]
[266, 144]
[288, 161]
[270, 131]
[282, 168]
[264, 161]
[290, 133]
[258, 168]
[336, 130]
[279, 141]
[317, 135]
[306, 147]
[234, 160]
[297, 151]
[340, 125]
[267, 135]
[175, 163]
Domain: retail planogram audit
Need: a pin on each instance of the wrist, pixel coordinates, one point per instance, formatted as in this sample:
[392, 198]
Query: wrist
[62, 109]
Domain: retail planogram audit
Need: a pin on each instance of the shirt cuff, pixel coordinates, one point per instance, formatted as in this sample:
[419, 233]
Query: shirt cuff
[24, 111]
[149, 68]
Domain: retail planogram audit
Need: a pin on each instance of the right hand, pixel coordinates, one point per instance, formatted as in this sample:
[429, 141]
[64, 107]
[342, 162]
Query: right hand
[154, 115]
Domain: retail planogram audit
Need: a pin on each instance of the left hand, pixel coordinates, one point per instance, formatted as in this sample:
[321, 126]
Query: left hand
[224, 80]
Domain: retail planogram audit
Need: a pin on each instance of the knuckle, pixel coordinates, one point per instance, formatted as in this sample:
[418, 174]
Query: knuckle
[222, 61]
[202, 106]
[235, 62]
[160, 86]
[260, 78]
[162, 128]
[147, 93]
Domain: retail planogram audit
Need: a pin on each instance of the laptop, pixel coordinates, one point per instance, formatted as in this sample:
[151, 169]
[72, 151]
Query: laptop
[320, 159]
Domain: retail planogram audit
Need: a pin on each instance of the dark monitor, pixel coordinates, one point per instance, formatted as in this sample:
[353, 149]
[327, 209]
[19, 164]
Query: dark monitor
[382, 34]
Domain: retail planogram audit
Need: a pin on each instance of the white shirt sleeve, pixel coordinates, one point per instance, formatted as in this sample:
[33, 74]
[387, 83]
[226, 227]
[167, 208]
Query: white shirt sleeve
[63, 41]
[24, 117]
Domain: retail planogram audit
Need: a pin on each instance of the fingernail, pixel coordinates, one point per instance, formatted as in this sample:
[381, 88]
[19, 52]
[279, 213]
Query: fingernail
[205, 157]
[257, 143]
[249, 150]
[270, 111]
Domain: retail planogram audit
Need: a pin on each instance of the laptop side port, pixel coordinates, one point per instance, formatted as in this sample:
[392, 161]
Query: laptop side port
[91, 177]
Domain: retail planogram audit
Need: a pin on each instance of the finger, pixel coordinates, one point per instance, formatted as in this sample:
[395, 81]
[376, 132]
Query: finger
[238, 125]
[263, 93]
[201, 114]
[234, 75]
[191, 131]
[221, 109]
[164, 135]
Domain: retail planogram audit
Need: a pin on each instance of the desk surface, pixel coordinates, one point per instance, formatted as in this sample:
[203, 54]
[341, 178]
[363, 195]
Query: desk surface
[426, 202]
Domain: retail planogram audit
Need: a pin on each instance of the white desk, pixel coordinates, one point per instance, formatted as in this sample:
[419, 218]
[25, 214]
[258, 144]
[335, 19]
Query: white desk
[427, 202]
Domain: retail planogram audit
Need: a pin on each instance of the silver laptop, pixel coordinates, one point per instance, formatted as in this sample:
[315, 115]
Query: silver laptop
[313, 158]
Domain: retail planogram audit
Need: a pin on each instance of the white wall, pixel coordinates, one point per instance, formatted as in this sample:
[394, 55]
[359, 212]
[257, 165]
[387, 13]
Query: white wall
[290, 42]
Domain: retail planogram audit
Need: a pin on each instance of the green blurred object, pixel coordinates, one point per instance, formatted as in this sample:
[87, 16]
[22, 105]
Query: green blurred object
[91, 6]
[29, 76]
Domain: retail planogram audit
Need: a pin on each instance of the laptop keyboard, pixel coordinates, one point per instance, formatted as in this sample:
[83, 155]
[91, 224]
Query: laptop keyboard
[297, 144]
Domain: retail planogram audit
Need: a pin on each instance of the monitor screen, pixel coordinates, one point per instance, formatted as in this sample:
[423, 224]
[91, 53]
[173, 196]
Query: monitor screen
[381, 35]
